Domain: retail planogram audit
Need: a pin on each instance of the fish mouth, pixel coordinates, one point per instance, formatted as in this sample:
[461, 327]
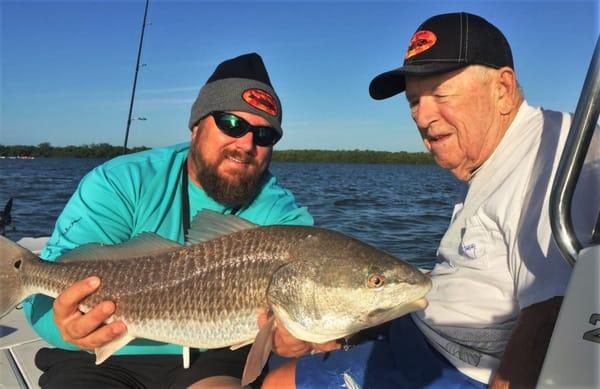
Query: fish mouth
[382, 315]
[414, 300]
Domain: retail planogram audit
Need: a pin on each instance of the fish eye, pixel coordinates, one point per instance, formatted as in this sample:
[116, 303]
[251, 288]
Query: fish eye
[375, 281]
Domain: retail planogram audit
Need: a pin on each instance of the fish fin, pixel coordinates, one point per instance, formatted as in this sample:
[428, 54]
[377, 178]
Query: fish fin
[102, 353]
[240, 345]
[208, 225]
[12, 288]
[145, 244]
[259, 353]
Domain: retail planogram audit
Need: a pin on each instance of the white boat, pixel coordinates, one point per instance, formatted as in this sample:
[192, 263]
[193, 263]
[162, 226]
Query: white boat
[573, 357]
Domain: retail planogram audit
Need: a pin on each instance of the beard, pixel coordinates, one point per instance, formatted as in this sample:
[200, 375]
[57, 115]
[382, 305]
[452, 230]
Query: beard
[234, 191]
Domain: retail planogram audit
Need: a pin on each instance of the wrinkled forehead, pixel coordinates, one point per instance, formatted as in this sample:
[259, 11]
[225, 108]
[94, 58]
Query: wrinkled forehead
[424, 85]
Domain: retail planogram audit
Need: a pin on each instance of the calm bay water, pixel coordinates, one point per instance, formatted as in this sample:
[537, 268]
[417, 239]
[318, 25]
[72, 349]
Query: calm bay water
[403, 209]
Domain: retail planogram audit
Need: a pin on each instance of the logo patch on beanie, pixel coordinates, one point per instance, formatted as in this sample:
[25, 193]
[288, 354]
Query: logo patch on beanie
[261, 100]
[420, 41]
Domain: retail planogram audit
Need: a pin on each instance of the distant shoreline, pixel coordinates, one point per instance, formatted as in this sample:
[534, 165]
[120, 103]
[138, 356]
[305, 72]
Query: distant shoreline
[105, 150]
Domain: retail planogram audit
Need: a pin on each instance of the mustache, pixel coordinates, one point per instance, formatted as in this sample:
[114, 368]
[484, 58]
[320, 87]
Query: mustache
[240, 156]
[231, 192]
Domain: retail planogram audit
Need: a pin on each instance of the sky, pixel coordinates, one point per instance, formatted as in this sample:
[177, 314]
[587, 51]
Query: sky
[67, 67]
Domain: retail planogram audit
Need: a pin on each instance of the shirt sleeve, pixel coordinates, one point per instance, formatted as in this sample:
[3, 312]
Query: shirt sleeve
[286, 211]
[276, 205]
[98, 211]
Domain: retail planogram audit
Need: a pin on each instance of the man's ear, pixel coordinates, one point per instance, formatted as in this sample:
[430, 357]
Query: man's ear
[508, 90]
[195, 132]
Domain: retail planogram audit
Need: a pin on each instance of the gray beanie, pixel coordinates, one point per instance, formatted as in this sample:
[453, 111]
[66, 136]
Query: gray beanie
[239, 84]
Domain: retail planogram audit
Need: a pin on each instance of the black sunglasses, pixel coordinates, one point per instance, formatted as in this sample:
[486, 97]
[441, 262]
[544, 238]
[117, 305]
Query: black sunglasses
[235, 126]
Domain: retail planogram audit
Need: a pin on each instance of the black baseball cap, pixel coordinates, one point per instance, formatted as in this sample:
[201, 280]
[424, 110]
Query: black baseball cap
[442, 44]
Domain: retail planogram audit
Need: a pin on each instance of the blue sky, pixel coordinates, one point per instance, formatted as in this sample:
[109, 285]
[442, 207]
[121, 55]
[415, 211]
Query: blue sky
[67, 67]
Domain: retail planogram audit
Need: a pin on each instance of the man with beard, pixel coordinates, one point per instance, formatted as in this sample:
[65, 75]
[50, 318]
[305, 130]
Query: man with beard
[235, 121]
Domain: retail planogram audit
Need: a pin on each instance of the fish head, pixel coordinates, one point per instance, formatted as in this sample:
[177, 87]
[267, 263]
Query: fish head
[339, 286]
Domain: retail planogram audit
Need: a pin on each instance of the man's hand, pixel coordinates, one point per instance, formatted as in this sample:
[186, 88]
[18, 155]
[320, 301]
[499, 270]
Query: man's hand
[85, 331]
[286, 345]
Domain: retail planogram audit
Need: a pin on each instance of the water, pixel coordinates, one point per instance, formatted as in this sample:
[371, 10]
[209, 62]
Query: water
[403, 209]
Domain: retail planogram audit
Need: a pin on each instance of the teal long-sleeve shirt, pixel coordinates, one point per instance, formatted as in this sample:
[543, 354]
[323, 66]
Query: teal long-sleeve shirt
[138, 193]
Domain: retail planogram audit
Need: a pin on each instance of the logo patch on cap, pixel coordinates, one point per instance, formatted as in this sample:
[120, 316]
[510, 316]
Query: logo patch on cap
[260, 99]
[420, 41]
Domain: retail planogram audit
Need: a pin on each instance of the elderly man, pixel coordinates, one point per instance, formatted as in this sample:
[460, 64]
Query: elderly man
[234, 123]
[497, 289]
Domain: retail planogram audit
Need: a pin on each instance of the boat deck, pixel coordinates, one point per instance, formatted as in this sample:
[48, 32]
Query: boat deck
[18, 345]
[18, 342]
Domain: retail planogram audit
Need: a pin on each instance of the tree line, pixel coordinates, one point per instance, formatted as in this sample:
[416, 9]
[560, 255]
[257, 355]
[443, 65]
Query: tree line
[105, 150]
[94, 150]
[352, 156]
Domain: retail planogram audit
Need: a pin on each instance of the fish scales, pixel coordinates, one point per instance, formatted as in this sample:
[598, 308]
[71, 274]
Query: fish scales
[153, 296]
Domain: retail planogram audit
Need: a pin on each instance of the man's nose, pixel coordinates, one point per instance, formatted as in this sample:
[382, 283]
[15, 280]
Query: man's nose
[246, 142]
[424, 112]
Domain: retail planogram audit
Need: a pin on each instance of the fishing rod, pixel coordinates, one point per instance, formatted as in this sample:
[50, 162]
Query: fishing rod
[137, 68]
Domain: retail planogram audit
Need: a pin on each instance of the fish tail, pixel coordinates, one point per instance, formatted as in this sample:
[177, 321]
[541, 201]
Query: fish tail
[12, 288]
